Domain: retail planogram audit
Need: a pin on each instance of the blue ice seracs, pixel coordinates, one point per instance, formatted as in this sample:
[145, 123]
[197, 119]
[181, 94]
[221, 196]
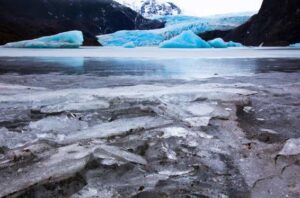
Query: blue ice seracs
[71, 39]
[187, 39]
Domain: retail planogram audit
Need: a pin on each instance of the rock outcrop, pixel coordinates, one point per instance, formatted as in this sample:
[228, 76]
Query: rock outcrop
[276, 24]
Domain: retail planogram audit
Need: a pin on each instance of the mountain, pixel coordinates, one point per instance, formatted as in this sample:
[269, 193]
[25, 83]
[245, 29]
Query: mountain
[276, 24]
[29, 19]
[149, 8]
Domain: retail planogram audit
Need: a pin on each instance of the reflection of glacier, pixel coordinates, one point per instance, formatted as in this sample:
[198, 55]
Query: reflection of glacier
[139, 69]
[74, 62]
[175, 25]
[147, 69]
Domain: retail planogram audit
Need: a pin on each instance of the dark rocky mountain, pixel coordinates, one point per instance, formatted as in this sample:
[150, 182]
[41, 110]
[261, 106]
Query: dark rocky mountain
[276, 24]
[28, 19]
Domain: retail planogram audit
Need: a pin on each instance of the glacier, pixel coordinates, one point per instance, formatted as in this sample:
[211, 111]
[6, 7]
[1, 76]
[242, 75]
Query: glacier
[220, 43]
[70, 39]
[187, 39]
[174, 25]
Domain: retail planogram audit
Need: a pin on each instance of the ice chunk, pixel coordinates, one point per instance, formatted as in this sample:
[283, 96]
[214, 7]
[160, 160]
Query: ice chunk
[220, 43]
[295, 45]
[71, 39]
[291, 147]
[66, 162]
[11, 139]
[187, 39]
[113, 152]
[198, 121]
[75, 106]
[175, 132]
[129, 45]
[62, 124]
[118, 127]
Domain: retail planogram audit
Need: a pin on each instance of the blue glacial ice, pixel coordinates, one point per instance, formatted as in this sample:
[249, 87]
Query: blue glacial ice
[71, 39]
[187, 39]
[175, 25]
[230, 21]
[129, 45]
[295, 45]
[220, 43]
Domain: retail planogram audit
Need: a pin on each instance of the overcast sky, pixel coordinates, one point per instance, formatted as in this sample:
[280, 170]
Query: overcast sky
[211, 7]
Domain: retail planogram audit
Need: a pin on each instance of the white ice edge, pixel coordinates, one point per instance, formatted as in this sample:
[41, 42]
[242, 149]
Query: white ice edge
[154, 52]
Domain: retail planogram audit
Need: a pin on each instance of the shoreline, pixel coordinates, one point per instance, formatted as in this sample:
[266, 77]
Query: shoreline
[152, 52]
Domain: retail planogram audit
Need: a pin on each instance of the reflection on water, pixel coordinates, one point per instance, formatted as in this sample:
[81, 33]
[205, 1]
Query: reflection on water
[176, 68]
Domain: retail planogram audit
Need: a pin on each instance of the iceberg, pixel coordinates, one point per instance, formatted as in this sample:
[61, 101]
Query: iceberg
[187, 39]
[295, 45]
[71, 39]
[220, 43]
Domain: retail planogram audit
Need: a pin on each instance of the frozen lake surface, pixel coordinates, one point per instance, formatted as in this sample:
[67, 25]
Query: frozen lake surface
[147, 122]
[154, 52]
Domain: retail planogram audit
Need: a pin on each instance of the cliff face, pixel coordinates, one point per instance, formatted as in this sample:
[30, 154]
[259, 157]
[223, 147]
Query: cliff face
[29, 19]
[276, 24]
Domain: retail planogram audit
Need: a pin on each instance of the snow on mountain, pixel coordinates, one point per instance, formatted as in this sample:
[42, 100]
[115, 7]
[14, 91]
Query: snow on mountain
[175, 25]
[149, 8]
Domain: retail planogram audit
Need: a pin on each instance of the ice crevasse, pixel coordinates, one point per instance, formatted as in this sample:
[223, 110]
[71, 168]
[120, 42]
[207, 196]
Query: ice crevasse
[70, 39]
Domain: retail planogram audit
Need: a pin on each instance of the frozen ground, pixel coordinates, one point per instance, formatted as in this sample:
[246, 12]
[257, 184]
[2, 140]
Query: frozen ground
[198, 125]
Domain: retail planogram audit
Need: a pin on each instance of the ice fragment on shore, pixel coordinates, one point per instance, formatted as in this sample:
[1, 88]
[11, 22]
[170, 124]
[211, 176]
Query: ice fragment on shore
[118, 154]
[62, 124]
[175, 132]
[12, 140]
[75, 106]
[291, 147]
[118, 127]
